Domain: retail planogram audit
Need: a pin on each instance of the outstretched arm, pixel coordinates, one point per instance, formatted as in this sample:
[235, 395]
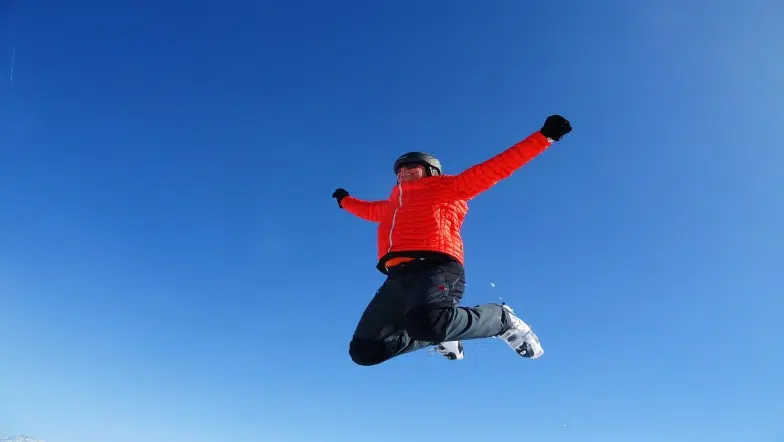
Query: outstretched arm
[481, 177]
[485, 175]
[369, 210]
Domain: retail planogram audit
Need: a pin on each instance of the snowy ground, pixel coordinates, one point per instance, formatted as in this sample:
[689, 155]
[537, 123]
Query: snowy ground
[19, 439]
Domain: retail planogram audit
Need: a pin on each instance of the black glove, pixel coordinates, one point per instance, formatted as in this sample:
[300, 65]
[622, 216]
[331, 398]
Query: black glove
[555, 127]
[339, 195]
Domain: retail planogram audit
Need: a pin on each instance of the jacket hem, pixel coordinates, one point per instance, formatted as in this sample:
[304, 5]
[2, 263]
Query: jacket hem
[423, 257]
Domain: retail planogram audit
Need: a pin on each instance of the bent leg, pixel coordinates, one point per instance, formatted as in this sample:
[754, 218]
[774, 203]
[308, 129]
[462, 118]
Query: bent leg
[439, 324]
[379, 335]
[438, 317]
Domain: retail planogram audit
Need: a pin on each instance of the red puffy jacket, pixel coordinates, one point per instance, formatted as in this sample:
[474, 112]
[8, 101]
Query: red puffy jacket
[425, 216]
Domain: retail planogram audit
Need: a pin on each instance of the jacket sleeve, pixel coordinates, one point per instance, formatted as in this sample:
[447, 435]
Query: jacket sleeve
[485, 175]
[368, 210]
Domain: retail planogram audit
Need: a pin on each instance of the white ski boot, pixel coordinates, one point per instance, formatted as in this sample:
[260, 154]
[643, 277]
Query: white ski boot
[452, 350]
[521, 338]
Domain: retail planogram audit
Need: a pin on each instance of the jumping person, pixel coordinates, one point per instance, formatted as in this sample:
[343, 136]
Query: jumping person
[421, 253]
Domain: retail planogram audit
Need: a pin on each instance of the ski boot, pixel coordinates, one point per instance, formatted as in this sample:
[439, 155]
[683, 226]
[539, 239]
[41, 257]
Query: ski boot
[521, 338]
[451, 350]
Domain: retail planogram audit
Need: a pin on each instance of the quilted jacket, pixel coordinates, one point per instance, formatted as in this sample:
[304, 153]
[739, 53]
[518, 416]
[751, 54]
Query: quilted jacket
[425, 216]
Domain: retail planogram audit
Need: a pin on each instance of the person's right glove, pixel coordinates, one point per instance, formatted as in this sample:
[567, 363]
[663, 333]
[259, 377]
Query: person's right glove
[555, 127]
[339, 194]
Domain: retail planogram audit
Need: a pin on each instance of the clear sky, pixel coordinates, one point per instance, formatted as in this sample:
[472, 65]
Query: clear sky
[172, 265]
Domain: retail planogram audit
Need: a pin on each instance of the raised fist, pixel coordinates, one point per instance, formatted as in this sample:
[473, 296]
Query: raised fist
[339, 194]
[555, 127]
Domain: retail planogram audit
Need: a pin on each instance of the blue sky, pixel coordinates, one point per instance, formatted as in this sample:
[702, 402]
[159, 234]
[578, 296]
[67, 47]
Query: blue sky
[172, 265]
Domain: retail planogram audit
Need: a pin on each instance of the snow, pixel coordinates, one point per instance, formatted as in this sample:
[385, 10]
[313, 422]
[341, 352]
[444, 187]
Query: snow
[19, 439]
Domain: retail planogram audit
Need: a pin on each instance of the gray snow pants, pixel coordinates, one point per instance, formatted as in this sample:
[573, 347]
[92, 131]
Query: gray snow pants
[418, 306]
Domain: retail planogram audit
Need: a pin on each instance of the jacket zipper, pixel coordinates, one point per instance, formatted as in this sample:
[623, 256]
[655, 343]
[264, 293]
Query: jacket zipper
[394, 214]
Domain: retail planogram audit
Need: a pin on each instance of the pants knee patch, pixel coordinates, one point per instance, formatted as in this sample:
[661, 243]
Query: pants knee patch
[427, 324]
[367, 353]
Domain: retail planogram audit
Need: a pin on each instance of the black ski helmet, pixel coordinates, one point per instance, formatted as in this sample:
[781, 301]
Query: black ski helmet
[431, 163]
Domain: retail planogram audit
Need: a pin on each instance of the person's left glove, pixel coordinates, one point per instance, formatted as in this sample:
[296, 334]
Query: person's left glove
[339, 194]
[555, 127]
